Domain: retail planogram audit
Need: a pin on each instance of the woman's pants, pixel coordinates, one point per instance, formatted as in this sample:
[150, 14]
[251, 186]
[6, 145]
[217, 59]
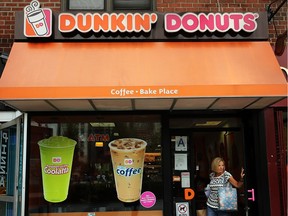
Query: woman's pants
[215, 212]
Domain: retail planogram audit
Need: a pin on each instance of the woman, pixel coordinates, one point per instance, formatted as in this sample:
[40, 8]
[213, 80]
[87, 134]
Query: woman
[219, 178]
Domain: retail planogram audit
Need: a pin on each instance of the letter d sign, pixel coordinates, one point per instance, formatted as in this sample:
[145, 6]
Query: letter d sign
[189, 194]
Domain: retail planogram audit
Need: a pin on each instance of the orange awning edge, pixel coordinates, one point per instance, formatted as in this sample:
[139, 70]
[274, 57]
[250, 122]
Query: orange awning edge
[22, 93]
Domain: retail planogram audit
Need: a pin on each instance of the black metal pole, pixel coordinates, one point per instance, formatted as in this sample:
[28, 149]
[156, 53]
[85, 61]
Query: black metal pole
[274, 13]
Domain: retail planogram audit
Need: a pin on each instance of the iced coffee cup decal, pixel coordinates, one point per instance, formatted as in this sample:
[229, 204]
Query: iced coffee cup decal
[37, 22]
[56, 154]
[127, 156]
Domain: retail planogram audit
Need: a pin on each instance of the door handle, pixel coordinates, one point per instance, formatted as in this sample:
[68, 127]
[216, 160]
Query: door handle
[252, 194]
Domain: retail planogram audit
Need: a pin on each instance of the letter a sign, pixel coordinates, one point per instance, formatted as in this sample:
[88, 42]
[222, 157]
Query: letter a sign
[181, 143]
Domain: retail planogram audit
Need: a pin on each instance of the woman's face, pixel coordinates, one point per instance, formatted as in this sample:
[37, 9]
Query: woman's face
[221, 167]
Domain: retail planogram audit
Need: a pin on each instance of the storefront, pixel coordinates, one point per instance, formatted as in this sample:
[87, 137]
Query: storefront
[191, 86]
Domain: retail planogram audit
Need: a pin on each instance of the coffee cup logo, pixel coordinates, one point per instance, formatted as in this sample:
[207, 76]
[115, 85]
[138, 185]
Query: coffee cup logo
[37, 21]
[128, 161]
[56, 160]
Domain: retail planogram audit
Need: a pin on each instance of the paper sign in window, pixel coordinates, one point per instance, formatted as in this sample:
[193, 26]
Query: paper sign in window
[185, 179]
[181, 162]
[181, 143]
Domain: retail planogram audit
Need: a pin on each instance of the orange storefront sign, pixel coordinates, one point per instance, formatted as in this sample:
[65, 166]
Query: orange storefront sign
[38, 23]
[106, 22]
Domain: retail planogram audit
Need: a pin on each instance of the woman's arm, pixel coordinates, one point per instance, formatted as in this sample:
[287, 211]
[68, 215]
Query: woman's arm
[235, 183]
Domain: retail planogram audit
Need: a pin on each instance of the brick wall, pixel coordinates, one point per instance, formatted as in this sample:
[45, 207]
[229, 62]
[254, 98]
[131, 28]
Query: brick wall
[7, 18]
[277, 26]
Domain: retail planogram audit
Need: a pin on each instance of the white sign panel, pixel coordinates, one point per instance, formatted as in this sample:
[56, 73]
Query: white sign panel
[181, 143]
[181, 162]
[185, 179]
[182, 209]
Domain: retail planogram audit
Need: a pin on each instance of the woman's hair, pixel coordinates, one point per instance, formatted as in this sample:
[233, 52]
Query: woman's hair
[215, 163]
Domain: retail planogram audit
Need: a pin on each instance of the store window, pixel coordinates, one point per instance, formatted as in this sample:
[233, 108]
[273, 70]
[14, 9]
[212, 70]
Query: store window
[86, 4]
[109, 5]
[94, 184]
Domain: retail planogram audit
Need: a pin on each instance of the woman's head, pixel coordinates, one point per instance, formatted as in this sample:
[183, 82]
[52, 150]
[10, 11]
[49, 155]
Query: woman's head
[218, 165]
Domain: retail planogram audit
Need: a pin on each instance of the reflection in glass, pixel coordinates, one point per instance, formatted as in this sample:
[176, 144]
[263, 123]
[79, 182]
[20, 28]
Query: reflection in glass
[86, 4]
[92, 186]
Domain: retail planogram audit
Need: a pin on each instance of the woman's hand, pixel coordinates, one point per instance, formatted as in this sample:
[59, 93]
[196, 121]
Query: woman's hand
[242, 173]
[239, 183]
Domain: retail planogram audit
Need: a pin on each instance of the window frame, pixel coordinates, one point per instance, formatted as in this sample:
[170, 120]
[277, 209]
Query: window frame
[108, 7]
[60, 123]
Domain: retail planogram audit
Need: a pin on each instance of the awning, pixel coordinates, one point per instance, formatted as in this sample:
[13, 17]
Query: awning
[141, 76]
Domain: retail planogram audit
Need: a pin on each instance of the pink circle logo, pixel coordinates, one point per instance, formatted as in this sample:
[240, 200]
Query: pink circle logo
[147, 199]
[128, 161]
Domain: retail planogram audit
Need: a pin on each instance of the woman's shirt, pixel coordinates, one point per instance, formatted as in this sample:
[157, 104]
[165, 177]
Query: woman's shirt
[215, 183]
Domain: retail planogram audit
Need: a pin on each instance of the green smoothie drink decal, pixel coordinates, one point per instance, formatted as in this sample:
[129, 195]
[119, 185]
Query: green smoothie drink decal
[56, 155]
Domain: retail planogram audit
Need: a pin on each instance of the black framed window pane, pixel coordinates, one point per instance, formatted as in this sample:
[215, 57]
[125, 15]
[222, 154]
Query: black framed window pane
[132, 4]
[86, 4]
[92, 185]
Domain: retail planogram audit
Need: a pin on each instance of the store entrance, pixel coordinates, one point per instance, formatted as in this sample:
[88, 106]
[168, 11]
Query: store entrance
[11, 148]
[192, 151]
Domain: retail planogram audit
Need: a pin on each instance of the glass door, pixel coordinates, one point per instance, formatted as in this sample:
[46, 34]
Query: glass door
[192, 151]
[11, 164]
[183, 173]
